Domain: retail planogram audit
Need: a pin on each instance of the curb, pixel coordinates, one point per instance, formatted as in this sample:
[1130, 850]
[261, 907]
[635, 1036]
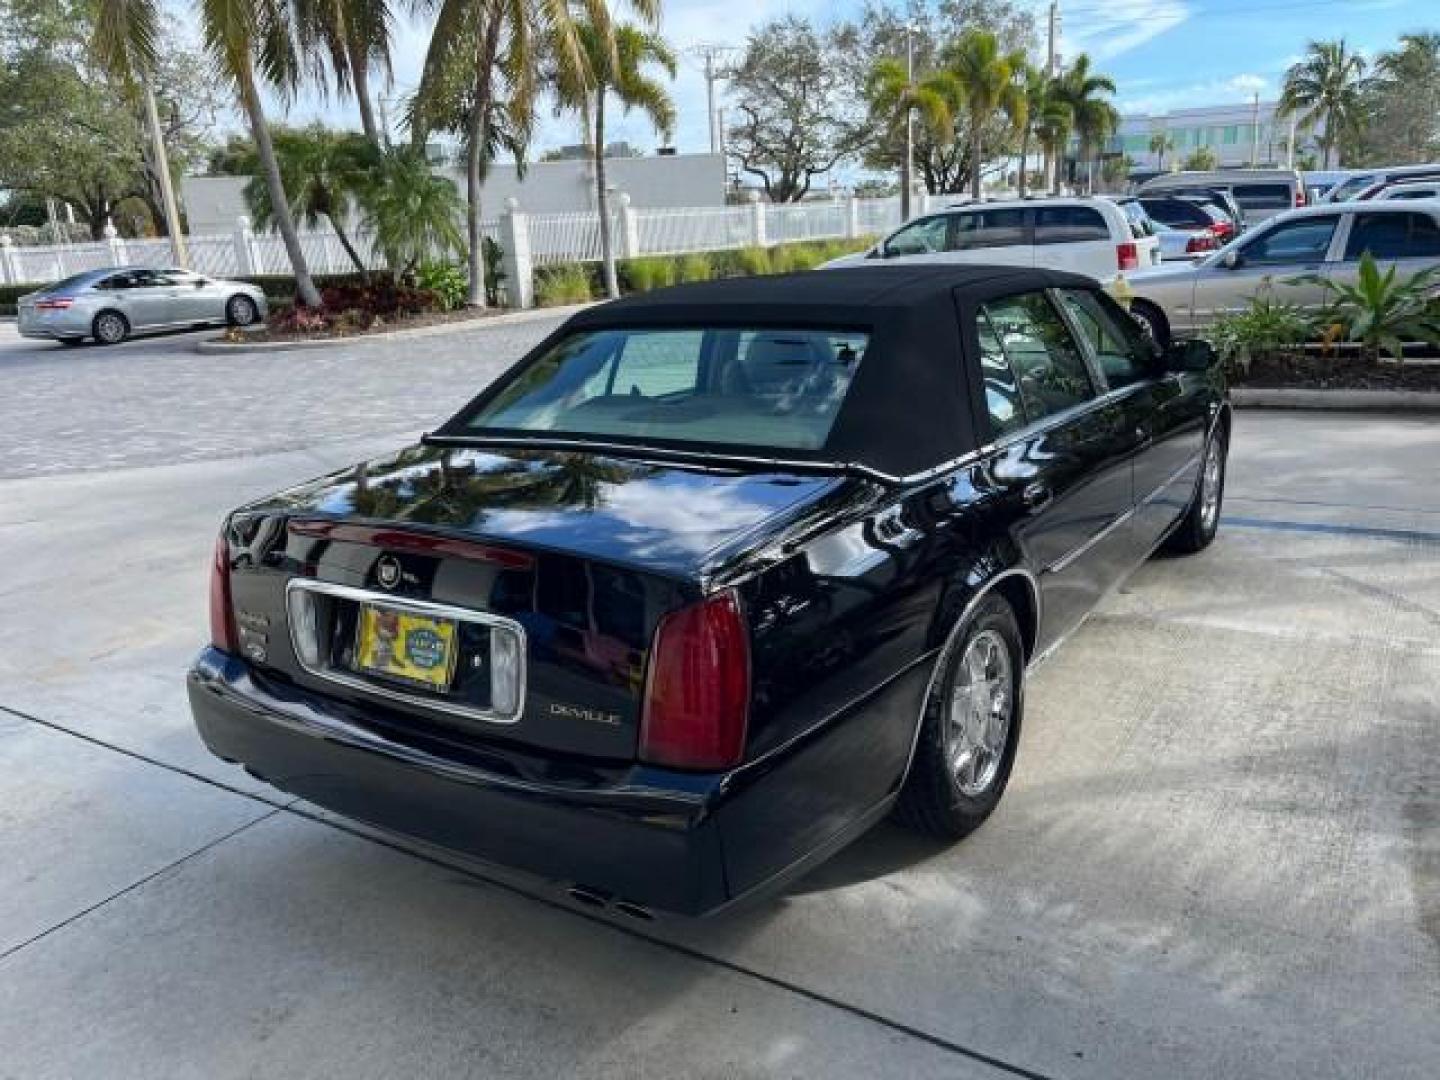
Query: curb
[217, 346]
[1349, 400]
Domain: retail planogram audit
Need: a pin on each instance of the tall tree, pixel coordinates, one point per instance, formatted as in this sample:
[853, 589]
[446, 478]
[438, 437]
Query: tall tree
[1324, 94]
[1094, 118]
[249, 41]
[895, 97]
[1402, 103]
[1161, 143]
[351, 38]
[1036, 88]
[615, 66]
[1053, 128]
[987, 79]
[789, 95]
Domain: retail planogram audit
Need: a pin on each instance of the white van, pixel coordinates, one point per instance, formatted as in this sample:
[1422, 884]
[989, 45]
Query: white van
[1261, 193]
[1091, 236]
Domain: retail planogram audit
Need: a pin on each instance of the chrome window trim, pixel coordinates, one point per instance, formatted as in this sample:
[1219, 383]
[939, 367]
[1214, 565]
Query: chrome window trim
[416, 607]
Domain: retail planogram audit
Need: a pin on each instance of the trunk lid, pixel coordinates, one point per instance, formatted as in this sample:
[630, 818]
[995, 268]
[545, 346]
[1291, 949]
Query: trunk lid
[572, 559]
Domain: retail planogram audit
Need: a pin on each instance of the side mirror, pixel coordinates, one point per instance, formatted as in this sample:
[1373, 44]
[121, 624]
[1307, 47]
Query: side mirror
[1232, 260]
[876, 252]
[1189, 356]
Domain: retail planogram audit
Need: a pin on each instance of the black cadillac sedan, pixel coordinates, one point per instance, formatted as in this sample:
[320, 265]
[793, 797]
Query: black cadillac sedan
[715, 577]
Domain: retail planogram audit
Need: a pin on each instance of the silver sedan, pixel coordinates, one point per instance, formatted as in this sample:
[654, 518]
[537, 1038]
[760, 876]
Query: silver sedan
[110, 305]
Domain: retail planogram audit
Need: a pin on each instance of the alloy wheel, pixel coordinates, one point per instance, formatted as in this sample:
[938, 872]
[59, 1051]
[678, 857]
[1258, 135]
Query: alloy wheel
[980, 710]
[1210, 478]
[241, 311]
[110, 328]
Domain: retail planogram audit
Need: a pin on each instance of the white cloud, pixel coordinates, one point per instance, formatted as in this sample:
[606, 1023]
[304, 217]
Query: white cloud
[1236, 88]
[1124, 25]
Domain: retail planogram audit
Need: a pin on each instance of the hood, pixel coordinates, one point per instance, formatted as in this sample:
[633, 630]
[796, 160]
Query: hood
[858, 258]
[1168, 274]
[661, 517]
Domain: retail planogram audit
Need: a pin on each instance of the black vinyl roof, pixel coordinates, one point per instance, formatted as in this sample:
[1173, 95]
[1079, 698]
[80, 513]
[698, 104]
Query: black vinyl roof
[910, 406]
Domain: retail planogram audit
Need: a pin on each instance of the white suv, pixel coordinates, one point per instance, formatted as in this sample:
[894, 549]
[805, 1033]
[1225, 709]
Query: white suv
[1084, 236]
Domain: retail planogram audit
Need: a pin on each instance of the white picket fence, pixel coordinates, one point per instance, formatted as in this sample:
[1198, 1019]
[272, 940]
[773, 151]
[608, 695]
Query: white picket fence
[527, 240]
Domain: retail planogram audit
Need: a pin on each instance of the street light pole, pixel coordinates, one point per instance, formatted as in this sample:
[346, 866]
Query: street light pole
[167, 188]
[907, 172]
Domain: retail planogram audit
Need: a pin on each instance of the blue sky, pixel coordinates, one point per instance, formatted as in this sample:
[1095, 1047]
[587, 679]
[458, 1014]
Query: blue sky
[1163, 54]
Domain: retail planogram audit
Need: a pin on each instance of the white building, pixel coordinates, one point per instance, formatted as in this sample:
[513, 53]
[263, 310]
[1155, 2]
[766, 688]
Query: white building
[1241, 134]
[212, 203]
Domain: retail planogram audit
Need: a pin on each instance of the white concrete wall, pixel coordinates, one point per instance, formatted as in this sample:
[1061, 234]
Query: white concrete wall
[212, 203]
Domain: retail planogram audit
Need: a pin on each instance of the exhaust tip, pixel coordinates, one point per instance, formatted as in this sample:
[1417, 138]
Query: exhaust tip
[634, 910]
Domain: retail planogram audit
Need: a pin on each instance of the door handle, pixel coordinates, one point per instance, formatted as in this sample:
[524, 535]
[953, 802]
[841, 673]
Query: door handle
[1037, 496]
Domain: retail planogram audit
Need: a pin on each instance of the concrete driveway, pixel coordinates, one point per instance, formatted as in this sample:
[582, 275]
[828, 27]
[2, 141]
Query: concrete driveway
[1219, 855]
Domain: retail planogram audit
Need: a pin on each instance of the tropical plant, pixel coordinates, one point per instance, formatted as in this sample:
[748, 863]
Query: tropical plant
[1053, 128]
[615, 61]
[1260, 331]
[323, 172]
[1035, 85]
[693, 268]
[1161, 143]
[413, 214]
[988, 85]
[1201, 159]
[1382, 310]
[650, 272]
[354, 37]
[446, 280]
[1324, 93]
[563, 283]
[1092, 115]
[894, 97]
[251, 43]
[1402, 103]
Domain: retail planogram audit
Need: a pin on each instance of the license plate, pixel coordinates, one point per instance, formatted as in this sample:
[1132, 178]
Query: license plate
[416, 649]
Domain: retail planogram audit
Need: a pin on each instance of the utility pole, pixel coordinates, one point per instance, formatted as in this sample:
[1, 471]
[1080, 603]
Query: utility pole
[907, 171]
[1255, 133]
[1052, 71]
[710, 53]
[1050, 56]
[167, 187]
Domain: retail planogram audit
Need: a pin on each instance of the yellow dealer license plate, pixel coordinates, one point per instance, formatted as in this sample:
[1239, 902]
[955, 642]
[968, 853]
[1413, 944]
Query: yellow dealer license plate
[414, 648]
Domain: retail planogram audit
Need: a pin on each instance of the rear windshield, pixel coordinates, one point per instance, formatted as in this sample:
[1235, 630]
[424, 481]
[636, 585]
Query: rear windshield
[761, 387]
[75, 281]
[1264, 196]
[1349, 188]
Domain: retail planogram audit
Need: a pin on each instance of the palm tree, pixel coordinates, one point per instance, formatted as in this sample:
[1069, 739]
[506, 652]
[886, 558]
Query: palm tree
[1093, 117]
[1161, 143]
[249, 42]
[987, 83]
[355, 36]
[413, 213]
[893, 96]
[615, 65]
[1053, 128]
[1036, 87]
[1324, 89]
[323, 172]
[1407, 86]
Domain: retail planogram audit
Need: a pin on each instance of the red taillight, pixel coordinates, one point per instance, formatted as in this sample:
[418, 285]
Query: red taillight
[1223, 230]
[1200, 241]
[222, 613]
[54, 303]
[1299, 196]
[1128, 255]
[697, 695]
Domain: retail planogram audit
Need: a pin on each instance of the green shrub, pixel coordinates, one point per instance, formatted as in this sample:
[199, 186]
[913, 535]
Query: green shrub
[447, 281]
[563, 283]
[1265, 328]
[1381, 310]
[650, 272]
[493, 256]
[694, 268]
[753, 261]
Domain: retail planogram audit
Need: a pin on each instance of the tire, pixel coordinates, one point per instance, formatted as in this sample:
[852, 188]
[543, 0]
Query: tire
[110, 327]
[1201, 522]
[1152, 320]
[936, 798]
[241, 311]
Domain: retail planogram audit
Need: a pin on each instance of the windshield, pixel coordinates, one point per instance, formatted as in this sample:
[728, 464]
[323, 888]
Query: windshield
[762, 387]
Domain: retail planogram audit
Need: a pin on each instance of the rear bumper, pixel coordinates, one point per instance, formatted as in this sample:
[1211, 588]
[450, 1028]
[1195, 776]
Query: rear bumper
[647, 836]
[51, 329]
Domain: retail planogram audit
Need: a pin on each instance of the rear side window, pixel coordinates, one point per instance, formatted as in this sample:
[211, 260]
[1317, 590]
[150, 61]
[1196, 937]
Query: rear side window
[1115, 339]
[1002, 389]
[1069, 225]
[1264, 196]
[761, 387]
[923, 237]
[1046, 359]
[989, 228]
[1393, 236]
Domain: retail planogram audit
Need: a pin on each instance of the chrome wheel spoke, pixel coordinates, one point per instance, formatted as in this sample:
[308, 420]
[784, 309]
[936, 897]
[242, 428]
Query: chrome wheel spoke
[980, 707]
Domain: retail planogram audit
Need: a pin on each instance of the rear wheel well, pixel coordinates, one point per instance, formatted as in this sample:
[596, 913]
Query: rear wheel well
[1017, 593]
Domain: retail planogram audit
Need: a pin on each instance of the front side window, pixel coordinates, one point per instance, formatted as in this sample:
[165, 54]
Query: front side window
[1047, 360]
[924, 237]
[1293, 244]
[1118, 344]
[1069, 225]
[1393, 236]
[988, 229]
[759, 387]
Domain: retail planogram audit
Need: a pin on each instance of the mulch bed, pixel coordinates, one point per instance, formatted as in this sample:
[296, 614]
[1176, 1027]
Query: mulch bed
[1311, 372]
[409, 322]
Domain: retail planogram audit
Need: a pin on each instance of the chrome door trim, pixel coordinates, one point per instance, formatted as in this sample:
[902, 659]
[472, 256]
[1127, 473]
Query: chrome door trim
[416, 607]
